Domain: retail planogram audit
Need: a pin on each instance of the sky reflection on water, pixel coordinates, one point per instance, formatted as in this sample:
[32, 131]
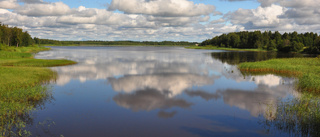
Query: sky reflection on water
[157, 91]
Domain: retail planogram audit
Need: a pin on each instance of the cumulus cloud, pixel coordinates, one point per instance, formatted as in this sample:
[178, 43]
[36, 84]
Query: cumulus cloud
[8, 4]
[279, 15]
[166, 8]
[58, 21]
[32, 1]
[43, 9]
[262, 17]
[155, 20]
[266, 3]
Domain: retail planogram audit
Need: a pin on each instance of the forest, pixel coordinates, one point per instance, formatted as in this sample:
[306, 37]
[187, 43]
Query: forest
[97, 42]
[308, 42]
[14, 36]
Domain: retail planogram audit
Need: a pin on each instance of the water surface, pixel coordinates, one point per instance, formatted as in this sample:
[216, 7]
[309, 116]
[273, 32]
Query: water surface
[158, 91]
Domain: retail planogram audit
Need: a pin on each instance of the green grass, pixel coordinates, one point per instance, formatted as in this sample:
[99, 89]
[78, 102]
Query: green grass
[307, 70]
[32, 49]
[220, 48]
[35, 62]
[14, 55]
[21, 79]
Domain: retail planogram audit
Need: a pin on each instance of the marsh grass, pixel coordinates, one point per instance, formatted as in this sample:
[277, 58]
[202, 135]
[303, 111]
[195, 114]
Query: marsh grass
[16, 114]
[35, 62]
[297, 116]
[307, 70]
[21, 90]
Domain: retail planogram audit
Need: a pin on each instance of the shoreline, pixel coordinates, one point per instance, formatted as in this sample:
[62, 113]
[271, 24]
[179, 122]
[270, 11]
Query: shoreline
[21, 86]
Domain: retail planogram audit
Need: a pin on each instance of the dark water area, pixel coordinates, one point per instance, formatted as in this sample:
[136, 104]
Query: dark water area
[158, 91]
[236, 57]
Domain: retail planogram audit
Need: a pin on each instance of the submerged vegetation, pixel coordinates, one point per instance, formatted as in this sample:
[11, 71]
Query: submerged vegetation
[20, 86]
[297, 117]
[273, 41]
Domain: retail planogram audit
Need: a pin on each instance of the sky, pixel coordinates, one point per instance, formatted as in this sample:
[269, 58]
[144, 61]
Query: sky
[157, 20]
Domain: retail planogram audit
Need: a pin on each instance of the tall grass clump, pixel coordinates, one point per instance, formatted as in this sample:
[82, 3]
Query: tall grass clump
[297, 116]
[307, 70]
[16, 114]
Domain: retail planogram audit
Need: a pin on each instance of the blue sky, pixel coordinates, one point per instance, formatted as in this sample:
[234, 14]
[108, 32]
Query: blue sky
[157, 20]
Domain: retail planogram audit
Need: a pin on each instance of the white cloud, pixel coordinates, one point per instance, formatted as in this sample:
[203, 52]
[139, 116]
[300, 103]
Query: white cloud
[279, 15]
[43, 9]
[166, 8]
[262, 17]
[155, 20]
[8, 4]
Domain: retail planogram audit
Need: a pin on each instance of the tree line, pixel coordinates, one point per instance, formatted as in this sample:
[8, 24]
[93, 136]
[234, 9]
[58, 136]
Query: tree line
[14, 36]
[97, 42]
[308, 42]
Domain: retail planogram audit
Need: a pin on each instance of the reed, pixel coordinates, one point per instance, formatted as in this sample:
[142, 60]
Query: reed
[297, 116]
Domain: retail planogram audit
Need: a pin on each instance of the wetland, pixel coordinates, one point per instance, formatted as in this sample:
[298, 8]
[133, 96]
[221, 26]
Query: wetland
[167, 91]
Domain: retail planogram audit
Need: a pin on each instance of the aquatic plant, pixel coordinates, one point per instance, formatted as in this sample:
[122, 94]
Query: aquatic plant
[297, 116]
[18, 105]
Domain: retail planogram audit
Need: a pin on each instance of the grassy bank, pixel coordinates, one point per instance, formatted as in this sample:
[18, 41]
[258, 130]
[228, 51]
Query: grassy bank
[219, 48]
[21, 79]
[307, 70]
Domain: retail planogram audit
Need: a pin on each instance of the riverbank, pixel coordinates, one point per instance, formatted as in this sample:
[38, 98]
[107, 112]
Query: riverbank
[307, 70]
[21, 87]
[219, 48]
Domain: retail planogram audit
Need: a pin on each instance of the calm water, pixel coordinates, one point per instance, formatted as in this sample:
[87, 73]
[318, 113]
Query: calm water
[158, 91]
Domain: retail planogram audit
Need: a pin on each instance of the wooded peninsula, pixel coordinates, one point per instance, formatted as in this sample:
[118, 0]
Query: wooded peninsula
[308, 42]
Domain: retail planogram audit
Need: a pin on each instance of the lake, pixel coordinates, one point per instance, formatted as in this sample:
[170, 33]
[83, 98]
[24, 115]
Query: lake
[158, 91]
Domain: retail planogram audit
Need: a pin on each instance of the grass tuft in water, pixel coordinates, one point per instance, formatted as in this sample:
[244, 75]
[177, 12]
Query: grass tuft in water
[297, 116]
[307, 70]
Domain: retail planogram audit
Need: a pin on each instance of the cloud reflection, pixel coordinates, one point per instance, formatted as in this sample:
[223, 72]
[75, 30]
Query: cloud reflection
[164, 114]
[148, 99]
[256, 101]
[150, 78]
[174, 84]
